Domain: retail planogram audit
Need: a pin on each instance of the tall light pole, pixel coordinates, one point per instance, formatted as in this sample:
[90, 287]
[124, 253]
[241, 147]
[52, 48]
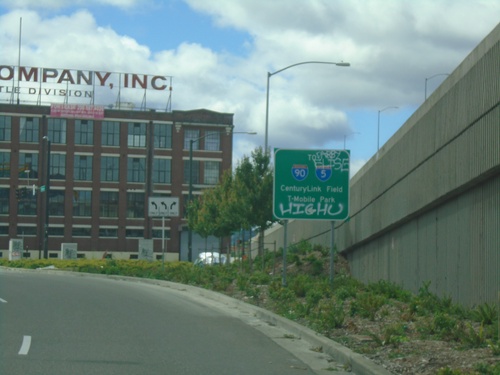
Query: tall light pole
[269, 75]
[428, 78]
[47, 193]
[378, 124]
[190, 196]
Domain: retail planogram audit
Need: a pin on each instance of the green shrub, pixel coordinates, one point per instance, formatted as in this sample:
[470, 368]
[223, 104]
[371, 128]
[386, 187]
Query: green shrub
[300, 284]
[445, 326]
[260, 278]
[316, 266]
[471, 338]
[344, 293]
[328, 315]
[390, 290]
[367, 305]
[448, 371]
[313, 296]
[301, 248]
[393, 335]
[486, 369]
[485, 314]
[280, 293]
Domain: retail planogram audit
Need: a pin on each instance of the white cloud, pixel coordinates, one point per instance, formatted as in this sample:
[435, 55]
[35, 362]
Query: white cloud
[58, 4]
[392, 46]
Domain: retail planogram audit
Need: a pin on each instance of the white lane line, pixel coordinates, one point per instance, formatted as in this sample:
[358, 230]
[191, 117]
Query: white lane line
[25, 347]
[2, 300]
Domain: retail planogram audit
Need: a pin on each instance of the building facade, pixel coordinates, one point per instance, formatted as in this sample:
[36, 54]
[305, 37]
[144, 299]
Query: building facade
[102, 172]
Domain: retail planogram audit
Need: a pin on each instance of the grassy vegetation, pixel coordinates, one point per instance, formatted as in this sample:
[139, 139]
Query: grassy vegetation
[310, 299]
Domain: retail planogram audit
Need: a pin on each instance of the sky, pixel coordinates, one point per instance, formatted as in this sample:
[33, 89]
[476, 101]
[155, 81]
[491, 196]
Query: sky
[219, 54]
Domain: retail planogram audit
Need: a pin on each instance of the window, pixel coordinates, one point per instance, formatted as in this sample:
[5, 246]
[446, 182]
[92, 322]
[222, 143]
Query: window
[195, 172]
[57, 166]
[80, 231]
[5, 128]
[162, 136]
[108, 203]
[84, 132]
[162, 171]
[212, 141]
[136, 135]
[26, 230]
[56, 130]
[136, 169]
[27, 205]
[157, 233]
[29, 129]
[108, 232]
[4, 164]
[191, 135]
[110, 168]
[211, 172]
[110, 133]
[56, 231]
[135, 205]
[134, 232]
[4, 201]
[56, 203]
[4, 230]
[82, 203]
[28, 162]
[83, 168]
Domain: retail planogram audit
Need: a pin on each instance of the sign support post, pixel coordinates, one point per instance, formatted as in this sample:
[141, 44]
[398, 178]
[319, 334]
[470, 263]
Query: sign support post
[332, 252]
[163, 244]
[163, 207]
[285, 243]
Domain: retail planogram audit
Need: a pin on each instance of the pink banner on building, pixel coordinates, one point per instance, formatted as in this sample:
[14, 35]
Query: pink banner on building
[77, 111]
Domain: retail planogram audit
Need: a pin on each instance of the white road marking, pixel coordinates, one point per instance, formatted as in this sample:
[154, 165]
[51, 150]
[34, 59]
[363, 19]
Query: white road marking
[25, 347]
[2, 300]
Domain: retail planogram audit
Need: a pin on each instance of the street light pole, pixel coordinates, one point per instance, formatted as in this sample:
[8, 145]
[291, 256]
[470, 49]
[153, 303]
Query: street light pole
[378, 125]
[190, 194]
[47, 193]
[269, 75]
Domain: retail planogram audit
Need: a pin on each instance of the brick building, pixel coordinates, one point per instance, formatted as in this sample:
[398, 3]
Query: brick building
[103, 170]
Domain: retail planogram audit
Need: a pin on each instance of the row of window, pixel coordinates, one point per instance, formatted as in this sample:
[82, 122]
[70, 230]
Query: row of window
[29, 132]
[55, 231]
[82, 204]
[109, 168]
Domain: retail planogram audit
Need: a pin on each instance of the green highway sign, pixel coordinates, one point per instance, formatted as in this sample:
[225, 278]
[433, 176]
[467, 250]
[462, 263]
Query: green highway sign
[311, 184]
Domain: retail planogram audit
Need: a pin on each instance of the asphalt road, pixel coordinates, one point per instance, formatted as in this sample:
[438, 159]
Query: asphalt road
[68, 324]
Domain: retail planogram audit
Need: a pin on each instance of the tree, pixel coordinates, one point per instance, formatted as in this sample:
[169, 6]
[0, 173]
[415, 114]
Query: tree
[254, 190]
[197, 220]
[240, 201]
[215, 212]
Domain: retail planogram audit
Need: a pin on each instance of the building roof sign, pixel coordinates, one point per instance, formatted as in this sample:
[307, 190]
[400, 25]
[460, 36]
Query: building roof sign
[54, 85]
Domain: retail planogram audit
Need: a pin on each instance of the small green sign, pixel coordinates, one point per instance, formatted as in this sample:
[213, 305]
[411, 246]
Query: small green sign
[42, 188]
[311, 184]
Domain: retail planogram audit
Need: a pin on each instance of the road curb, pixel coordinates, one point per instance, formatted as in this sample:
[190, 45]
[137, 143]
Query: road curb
[358, 364]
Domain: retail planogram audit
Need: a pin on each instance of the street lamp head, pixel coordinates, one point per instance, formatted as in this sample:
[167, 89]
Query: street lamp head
[386, 108]
[248, 133]
[343, 64]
